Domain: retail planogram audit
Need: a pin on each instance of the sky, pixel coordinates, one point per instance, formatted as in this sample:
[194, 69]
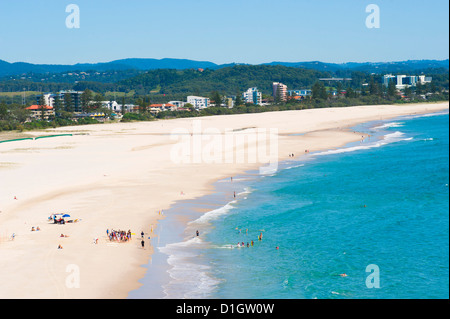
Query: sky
[223, 31]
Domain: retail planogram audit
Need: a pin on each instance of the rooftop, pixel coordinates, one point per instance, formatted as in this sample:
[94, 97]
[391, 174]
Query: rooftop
[38, 107]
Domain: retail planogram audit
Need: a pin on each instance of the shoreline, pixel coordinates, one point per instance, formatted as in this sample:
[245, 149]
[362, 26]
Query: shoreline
[217, 200]
[120, 192]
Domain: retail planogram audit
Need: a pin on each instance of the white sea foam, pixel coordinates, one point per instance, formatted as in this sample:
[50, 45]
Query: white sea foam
[294, 166]
[388, 125]
[213, 214]
[388, 138]
[188, 278]
[269, 170]
[247, 190]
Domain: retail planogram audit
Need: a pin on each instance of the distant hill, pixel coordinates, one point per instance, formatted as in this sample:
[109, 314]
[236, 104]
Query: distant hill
[18, 68]
[370, 67]
[178, 64]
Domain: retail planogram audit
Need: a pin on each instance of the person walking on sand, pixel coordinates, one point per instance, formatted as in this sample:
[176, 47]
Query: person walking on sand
[142, 243]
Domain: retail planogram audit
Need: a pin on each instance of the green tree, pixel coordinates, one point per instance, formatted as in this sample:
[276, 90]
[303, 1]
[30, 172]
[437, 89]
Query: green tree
[319, 91]
[238, 101]
[58, 105]
[419, 88]
[19, 113]
[434, 88]
[407, 92]
[276, 97]
[68, 102]
[124, 109]
[86, 99]
[143, 105]
[216, 98]
[42, 106]
[97, 102]
[339, 87]
[350, 93]
[3, 111]
[373, 87]
[392, 90]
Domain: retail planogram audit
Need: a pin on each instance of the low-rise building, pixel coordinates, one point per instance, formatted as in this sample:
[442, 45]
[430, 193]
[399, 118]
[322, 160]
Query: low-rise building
[156, 108]
[36, 112]
[198, 102]
[302, 92]
[178, 104]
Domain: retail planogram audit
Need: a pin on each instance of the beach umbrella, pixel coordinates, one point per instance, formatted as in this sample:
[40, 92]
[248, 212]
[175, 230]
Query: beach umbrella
[66, 215]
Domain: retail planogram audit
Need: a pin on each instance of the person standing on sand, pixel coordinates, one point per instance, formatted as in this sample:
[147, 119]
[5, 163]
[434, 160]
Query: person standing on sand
[142, 243]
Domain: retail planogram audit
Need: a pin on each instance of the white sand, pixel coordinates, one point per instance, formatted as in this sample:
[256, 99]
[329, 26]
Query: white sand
[119, 176]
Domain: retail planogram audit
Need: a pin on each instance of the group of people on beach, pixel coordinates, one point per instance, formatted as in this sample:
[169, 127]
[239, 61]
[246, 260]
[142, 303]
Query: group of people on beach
[118, 235]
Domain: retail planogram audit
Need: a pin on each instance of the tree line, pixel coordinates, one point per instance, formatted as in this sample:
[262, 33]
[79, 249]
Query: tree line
[171, 84]
[160, 86]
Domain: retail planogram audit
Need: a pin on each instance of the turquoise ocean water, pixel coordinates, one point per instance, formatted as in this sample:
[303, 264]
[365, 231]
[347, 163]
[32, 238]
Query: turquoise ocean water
[382, 203]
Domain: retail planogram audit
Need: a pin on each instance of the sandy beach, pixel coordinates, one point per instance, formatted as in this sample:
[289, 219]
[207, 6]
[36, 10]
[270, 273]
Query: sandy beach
[122, 176]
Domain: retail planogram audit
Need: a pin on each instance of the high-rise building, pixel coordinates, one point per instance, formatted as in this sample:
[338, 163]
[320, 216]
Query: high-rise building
[401, 81]
[75, 98]
[279, 91]
[252, 95]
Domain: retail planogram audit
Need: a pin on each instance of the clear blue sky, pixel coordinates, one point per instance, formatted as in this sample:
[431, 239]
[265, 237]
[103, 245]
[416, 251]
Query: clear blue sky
[223, 31]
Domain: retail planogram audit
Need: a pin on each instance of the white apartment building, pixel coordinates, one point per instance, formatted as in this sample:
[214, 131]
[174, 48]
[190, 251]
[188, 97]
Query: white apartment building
[401, 81]
[304, 92]
[178, 104]
[252, 95]
[117, 107]
[198, 102]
